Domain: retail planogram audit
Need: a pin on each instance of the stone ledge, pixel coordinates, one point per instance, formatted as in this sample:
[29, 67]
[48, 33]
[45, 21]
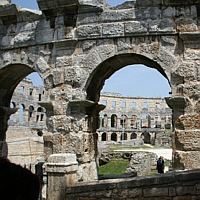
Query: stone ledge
[136, 182]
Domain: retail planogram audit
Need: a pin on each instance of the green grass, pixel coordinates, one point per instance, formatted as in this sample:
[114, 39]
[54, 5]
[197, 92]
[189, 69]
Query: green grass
[114, 167]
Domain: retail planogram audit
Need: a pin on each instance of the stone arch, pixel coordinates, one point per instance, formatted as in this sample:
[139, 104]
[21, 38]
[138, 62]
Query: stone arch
[108, 67]
[30, 113]
[104, 137]
[123, 120]
[146, 121]
[114, 137]
[133, 136]
[146, 137]
[10, 79]
[114, 120]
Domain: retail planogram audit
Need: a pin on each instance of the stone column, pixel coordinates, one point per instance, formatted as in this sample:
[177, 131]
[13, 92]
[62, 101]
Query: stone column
[109, 121]
[5, 113]
[61, 172]
[109, 136]
[128, 136]
[186, 136]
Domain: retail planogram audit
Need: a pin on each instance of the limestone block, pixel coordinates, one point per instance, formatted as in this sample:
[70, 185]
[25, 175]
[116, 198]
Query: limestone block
[87, 18]
[26, 26]
[158, 192]
[92, 60]
[187, 140]
[41, 65]
[118, 15]
[166, 57]
[105, 48]
[135, 27]
[191, 54]
[88, 31]
[186, 159]
[64, 61]
[61, 170]
[169, 12]
[9, 9]
[7, 58]
[114, 29]
[88, 44]
[186, 70]
[24, 38]
[124, 44]
[191, 90]
[168, 41]
[61, 163]
[188, 121]
[87, 172]
[151, 13]
[58, 76]
[165, 25]
[75, 75]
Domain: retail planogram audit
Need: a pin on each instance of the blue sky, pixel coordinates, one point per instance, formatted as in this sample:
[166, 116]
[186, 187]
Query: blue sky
[136, 80]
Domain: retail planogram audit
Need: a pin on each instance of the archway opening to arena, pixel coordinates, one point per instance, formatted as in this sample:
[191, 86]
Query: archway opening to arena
[136, 114]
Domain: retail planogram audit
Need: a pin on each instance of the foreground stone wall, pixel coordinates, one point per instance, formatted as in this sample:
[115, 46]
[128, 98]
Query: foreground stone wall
[172, 186]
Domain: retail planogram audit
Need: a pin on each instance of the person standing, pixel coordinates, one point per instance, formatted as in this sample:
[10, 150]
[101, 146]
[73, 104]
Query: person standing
[160, 165]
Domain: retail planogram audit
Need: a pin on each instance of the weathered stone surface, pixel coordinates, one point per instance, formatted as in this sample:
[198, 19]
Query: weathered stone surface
[76, 45]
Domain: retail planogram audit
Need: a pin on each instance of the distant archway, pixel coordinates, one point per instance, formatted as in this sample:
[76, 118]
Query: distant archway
[114, 137]
[104, 137]
[133, 136]
[146, 137]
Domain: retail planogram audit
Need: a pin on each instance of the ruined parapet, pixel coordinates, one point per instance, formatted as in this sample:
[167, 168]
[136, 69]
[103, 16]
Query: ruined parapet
[61, 171]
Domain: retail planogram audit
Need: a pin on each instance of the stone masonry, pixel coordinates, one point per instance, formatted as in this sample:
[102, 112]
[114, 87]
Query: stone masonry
[75, 45]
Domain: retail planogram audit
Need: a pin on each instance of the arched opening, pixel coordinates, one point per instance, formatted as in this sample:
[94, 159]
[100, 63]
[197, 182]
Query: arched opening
[146, 137]
[107, 68]
[30, 114]
[104, 137]
[145, 121]
[133, 136]
[113, 120]
[114, 137]
[123, 121]
[129, 110]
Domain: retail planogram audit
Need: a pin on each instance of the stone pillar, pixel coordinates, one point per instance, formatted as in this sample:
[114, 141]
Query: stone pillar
[128, 136]
[61, 172]
[109, 136]
[109, 121]
[5, 113]
[186, 152]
